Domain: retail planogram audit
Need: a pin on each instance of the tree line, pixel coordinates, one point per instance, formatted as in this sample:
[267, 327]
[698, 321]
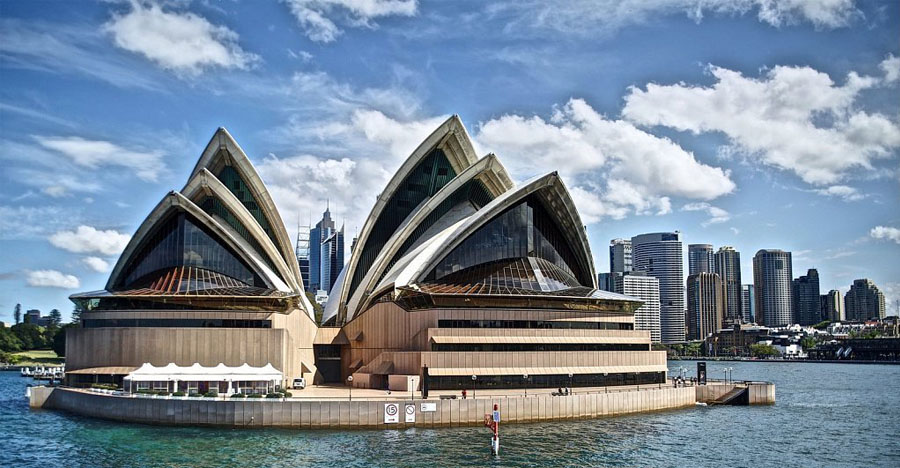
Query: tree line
[26, 336]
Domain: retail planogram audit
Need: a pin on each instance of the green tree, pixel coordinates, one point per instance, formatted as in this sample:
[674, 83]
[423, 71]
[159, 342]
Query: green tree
[31, 335]
[9, 341]
[316, 307]
[763, 350]
[822, 325]
[808, 342]
[58, 344]
[55, 318]
[10, 358]
[17, 314]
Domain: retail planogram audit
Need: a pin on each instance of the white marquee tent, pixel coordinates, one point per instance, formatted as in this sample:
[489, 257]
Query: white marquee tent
[244, 375]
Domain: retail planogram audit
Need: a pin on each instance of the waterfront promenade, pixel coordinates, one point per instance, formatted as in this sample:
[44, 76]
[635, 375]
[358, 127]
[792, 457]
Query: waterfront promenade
[331, 407]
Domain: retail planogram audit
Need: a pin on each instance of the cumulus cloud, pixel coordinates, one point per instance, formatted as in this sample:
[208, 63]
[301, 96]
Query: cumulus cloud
[87, 239]
[51, 279]
[609, 16]
[317, 17]
[843, 191]
[792, 118]
[147, 165]
[891, 68]
[611, 167]
[181, 42]
[96, 263]
[885, 232]
[716, 215]
[301, 184]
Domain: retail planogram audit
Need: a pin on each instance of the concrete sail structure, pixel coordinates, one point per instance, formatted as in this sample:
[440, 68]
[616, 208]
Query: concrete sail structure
[458, 273]
[209, 277]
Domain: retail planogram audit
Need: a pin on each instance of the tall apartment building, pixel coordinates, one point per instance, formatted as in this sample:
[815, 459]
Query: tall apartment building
[331, 259]
[700, 259]
[806, 302]
[832, 306]
[748, 303]
[324, 259]
[605, 282]
[646, 288]
[706, 305]
[772, 283]
[728, 267]
[660, 256]
[620, 256]
[864, 301]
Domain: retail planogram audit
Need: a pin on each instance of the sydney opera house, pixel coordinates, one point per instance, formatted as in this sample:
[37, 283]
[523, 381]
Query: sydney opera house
[458, 274]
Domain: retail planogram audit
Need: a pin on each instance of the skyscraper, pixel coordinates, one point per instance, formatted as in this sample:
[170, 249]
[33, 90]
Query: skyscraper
[832, 306]
[748, 303]
[772, 283]
[331, 259]
[728, 267]
[620, 256]
[646, 288]
[317, 235]
[660, 256]
[864, 301]
[805, 293]
[706, 305]
[700, 259]
[605, 282]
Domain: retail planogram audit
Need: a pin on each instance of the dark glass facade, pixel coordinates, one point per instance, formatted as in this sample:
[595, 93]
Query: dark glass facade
[523, 347]
[231, 179]
[542, 324]
[175, 323]
[214, 207]
[522, 231]
[181, 241]
[430, 175]
[544, 381]
[473, 192]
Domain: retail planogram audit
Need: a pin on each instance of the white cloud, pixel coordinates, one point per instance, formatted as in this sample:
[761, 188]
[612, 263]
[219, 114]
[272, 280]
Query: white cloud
[793, 118]
[891, 68]
[735, 230]
[69, 48]
[87, 239]
[147, 165]
[885, 232]
[609, 16]
[716, 215]
[843, 191]
[316, 16]
[51, 279]
[611, 167]
[96, 263]
[301, 184]
[30, 222]
[182, 42]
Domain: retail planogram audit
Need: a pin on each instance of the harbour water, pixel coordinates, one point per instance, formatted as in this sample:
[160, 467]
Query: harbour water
[841, 415]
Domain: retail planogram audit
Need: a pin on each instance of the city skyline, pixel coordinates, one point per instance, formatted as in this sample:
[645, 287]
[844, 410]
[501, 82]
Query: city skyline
[99, 122]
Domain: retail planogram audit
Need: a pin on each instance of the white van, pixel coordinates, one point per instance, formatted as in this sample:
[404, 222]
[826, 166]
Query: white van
[299, 384]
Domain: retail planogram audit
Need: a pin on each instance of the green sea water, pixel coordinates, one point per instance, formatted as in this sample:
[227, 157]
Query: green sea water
[841, 415]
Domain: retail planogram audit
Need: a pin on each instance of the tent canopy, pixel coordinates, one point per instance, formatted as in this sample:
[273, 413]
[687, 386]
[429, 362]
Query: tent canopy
[196, 372]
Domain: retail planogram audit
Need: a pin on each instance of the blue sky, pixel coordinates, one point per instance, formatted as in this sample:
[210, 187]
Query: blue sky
[739, 122]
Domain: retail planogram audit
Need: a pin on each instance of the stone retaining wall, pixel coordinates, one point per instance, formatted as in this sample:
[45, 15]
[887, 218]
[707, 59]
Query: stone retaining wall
[349, 414]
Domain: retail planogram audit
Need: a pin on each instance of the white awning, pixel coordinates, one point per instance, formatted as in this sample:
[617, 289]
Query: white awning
[148, 373]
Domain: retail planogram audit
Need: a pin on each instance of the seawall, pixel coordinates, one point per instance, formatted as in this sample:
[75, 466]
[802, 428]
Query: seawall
[302, 413]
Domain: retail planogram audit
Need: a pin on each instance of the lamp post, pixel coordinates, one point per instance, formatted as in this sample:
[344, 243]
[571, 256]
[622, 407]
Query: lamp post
[350, 386]
[731, 371]
[525, 377]
[570, 381]
[474, 385]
